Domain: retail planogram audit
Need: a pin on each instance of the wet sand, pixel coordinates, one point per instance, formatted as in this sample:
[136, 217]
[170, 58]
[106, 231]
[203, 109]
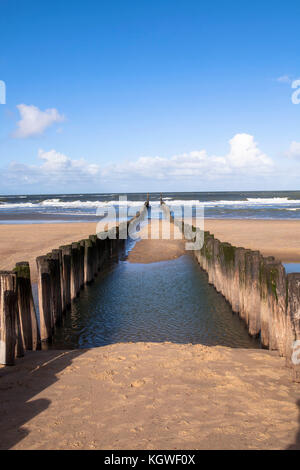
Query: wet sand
[155, 244]
[149, 396]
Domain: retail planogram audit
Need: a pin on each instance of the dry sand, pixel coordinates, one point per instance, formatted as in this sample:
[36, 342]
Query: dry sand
[149, 396]
[279, 238]
[26, 242]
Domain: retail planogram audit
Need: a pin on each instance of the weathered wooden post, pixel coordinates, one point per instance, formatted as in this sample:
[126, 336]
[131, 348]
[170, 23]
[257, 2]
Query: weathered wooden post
[9, 283]
[97, 253]
[19, 349]
[93, 239]
[27, 315]
[101, 252]
[8, 315]
[75, 267]
[58, 255]
[55, 269]
[209, 246]
[252, 291]
[246, 287]
[122, 236]
[241, 266]
[8, 328]
[66, 276]
[277, 303]
[292, 336]
[115, 243]
[264, 300]
[81, 263]
[236, 282]
[217, 270]
[106, 249]
[88, 261]
[44, 291]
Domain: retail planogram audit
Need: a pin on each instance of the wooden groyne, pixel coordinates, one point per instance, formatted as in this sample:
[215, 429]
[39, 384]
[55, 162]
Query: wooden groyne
[62, 274]
[19, 329]
[257, 288]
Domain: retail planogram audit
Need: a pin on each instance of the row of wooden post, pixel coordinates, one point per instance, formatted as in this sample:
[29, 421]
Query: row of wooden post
[64, 272]
[258, 289]
[61, 276]
[19, 330]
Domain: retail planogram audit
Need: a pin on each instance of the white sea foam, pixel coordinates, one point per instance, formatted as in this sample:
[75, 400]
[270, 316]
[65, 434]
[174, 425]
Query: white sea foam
[248, 202]
[72, 204]
[78, 204]
[16, 205]
[273, 200]
[254, 202]
[51, 202]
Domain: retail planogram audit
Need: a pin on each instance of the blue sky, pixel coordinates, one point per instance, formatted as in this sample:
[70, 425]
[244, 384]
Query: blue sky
[139, 95]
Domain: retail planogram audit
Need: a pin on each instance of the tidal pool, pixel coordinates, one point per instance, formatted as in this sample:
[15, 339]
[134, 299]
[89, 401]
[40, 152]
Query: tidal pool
[165, 301]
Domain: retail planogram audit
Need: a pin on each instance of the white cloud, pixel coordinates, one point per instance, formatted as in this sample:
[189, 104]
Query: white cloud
[243, 159]
[56, 168]
[34, 121]
[294, 150]
[244, 153]
[284, 79]
[57, 164]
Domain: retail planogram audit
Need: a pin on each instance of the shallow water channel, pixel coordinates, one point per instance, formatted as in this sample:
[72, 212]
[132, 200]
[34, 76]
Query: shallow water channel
[164, 301]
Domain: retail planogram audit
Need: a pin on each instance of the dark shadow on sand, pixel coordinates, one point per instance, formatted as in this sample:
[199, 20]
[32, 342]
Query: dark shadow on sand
[20, 384]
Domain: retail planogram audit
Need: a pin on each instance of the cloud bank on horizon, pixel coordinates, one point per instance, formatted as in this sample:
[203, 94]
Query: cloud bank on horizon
[244, 158]
[57, 171]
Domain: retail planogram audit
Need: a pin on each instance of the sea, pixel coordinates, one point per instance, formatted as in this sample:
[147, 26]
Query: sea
[57, 208]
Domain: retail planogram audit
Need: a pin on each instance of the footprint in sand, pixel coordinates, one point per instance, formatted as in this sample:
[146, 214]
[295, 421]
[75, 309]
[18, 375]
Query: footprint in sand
[137, 429]
[138, 383]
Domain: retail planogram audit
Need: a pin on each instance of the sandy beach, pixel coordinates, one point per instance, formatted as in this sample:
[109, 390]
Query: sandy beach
[149, 396]
[279, 238]
[144, 395]
[26, 242]
[153, 248]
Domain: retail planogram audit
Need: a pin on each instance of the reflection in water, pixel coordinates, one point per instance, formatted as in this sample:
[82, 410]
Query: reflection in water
[166, 301]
